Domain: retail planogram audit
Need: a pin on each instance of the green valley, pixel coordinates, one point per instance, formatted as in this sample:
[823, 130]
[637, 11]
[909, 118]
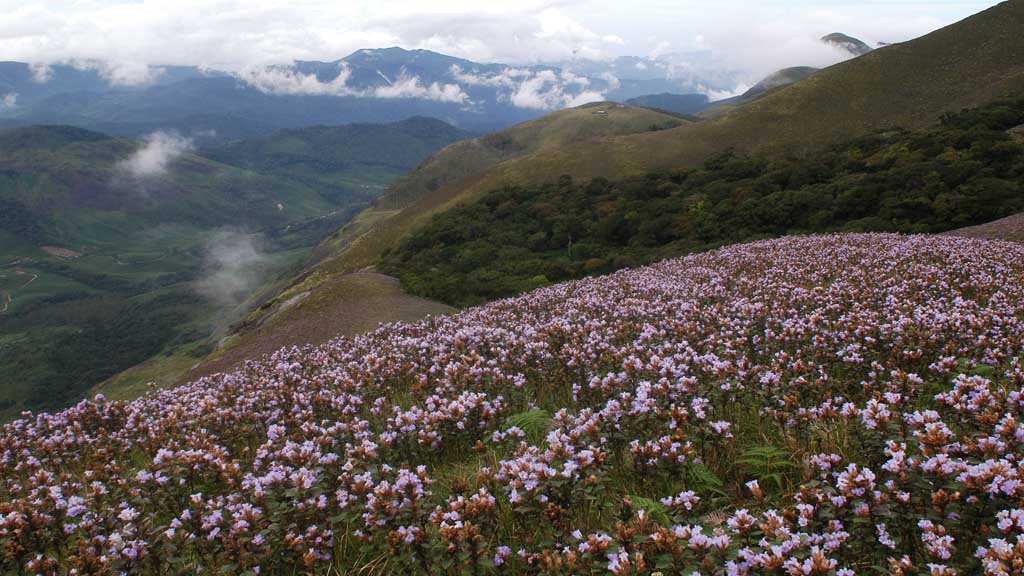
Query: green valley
[113, 252]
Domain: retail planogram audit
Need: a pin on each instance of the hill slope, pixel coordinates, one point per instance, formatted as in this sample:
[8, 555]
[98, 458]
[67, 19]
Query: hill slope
[911, 84]
[353, 158]
[810, 405]
[773, 81]
[675, 103]
[430, 187]
[519, 237]
[404, 206]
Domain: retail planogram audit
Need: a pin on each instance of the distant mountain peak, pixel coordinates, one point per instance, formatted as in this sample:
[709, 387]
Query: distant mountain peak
[850, 44]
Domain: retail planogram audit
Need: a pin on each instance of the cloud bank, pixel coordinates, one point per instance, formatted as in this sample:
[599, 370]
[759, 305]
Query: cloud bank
[411, 87]
[286, 81]
[537, 89]
[283, 80]
[158, 152]
[128, 41]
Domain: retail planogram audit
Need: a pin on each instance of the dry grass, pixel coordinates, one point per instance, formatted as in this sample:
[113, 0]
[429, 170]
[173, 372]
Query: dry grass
[347, 305]
[1009, 228]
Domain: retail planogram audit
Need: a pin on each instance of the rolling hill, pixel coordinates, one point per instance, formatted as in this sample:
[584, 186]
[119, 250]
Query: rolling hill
[687, 104]
[386, 219]
[970, 63]
[852, 45]
[349, 158]
[912, 84]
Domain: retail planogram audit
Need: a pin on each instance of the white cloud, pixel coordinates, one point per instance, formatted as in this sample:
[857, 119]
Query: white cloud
[537, 90]
[233, 264]
[155, 156]
[547, 91]
[117, 73]
[9, 101]
[282, 80]
[41, 73]
[411, 87]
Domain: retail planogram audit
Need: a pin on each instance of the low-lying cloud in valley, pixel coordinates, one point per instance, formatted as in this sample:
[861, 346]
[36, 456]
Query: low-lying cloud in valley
[411, 87]
[520, 86]
[282, 80]
[155, 156]
[8, 101]
[235, 262]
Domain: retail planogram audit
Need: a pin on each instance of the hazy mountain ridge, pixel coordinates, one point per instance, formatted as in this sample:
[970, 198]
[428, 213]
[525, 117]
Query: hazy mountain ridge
[369, 85]
[378, 85]
[849, 43]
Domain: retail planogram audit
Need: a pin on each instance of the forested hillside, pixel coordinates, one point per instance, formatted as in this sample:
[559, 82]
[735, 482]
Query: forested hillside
[966, 170]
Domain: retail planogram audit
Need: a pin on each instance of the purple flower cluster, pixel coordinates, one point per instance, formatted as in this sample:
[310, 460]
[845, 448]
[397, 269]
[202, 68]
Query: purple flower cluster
[594, 427]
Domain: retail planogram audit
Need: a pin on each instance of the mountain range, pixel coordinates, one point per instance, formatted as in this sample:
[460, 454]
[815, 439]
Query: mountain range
[373, 85]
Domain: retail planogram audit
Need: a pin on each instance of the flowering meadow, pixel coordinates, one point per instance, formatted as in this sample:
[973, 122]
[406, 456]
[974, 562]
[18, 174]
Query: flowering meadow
[846, 404]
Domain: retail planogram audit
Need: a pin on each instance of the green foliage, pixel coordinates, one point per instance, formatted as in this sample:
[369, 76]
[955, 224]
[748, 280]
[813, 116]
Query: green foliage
[533, 422]
[967, 170]
[767, 464]
[69, 345]
[654, 509]
[701, 479]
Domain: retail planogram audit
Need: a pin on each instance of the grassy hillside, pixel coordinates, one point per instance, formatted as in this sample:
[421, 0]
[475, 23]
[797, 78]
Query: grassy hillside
[439, 182]
[970, 63]
[967, 170]
[675, 103]
[773, 81]
[404, 206]
[351, 157]
[825, 405]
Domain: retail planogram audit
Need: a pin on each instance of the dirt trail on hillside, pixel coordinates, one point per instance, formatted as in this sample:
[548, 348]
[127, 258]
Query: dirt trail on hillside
[8, 297]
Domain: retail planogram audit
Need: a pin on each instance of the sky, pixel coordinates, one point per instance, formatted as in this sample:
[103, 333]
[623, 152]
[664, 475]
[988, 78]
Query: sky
[235, 34]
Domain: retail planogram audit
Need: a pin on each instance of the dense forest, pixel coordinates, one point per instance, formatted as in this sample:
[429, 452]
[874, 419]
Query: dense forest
[966, 170]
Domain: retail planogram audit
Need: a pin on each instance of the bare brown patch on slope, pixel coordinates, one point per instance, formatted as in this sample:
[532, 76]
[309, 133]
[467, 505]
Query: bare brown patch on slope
[1009, 228]
[348, 305]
